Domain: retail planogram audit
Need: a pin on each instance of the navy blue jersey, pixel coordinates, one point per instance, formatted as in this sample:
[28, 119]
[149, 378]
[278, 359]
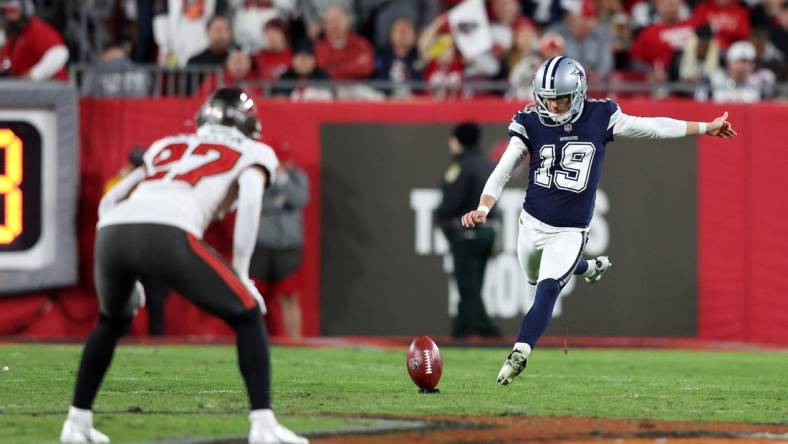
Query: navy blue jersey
[566, 163]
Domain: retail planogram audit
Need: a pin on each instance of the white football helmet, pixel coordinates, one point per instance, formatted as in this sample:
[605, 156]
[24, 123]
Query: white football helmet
[559, 76]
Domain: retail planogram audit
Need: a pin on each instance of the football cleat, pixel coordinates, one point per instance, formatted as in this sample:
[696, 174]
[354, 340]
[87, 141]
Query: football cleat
[75, 431]
[600, 265]
[278, 434]
[267, 430]
[514, 365]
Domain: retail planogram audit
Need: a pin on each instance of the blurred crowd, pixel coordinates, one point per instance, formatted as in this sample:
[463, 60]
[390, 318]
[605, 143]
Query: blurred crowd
[722, 50]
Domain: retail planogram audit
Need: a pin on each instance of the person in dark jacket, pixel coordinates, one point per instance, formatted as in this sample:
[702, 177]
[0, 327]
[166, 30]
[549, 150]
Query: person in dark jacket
[280, 242]
[470, 247]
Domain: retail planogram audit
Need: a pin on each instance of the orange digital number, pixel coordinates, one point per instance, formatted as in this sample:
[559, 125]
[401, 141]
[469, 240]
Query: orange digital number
[10, 181]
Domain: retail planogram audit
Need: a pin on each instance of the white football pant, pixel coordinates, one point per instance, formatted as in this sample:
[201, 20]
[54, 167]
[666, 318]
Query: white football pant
[548, 252]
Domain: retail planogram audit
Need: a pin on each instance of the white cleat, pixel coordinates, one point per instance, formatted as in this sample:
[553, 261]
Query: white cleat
[600, 265]
[514, 365]
[78, 428]
[266, 430]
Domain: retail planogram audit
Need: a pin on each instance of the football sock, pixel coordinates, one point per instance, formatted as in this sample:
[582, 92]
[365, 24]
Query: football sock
[253, 359]
[535, 321]
[96, 358]
[583, 266]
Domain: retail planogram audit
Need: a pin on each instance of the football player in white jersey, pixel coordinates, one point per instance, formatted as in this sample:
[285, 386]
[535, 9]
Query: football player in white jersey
[565, 135]
[152, 223]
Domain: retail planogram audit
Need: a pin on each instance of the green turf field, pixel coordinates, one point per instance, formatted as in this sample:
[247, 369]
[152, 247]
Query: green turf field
[156, 392]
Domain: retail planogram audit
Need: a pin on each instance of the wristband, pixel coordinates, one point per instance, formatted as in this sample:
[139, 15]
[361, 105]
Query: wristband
[702, 127]
[484, 209]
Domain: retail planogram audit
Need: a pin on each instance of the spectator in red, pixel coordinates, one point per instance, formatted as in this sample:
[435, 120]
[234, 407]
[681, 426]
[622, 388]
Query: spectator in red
[33, 50]
[274, 60]
[444, 70]
[237, 69]
[343, 54]
[654, 47]
[728, 20]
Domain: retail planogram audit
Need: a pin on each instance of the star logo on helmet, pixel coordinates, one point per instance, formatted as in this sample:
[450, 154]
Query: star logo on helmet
[578, 72]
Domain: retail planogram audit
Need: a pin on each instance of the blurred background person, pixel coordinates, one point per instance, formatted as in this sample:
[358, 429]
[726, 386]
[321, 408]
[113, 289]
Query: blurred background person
[220, 43]
[443, 70]
[697, 61]
[729, 21]
[767, 56]
[342, 53]
[238, 69]
[280, 242]
[116, 75]
[250, 17]
[32, 50]
[522, 75]
[546, 13]
[523, 46]
[179, 28]
[274, 59]
[314, 12]
[397, 62]
[587, 41]
[295, 82]
[378, 17]
[740, 82]
[471, 248]
[654, 46]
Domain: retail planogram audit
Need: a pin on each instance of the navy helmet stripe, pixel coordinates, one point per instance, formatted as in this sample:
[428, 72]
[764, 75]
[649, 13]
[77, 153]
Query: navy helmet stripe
[555, 70]
[546, 74]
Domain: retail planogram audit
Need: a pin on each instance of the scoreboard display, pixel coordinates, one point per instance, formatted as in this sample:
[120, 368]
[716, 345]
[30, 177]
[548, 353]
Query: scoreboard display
[20, 186]
[38, 186]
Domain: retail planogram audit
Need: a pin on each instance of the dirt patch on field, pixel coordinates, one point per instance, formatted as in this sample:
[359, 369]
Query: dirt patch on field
[516, 429]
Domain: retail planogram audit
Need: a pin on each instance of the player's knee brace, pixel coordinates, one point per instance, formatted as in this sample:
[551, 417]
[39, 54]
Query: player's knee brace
[117, 327]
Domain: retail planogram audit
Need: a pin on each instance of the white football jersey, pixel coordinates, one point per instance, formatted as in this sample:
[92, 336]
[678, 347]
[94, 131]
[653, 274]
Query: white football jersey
[189, 178]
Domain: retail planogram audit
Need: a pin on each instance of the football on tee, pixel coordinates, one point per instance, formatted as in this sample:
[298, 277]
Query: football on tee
[424, 362]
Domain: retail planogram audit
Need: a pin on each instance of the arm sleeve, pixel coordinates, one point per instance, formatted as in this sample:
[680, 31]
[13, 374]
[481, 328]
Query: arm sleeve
[646, 127]
[121, 190]
[53, 60]
[514, 154]
[247, 220]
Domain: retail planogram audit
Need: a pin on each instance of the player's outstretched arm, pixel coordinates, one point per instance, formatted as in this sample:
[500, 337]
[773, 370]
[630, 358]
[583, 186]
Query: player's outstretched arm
[667, 128]
[514, 154]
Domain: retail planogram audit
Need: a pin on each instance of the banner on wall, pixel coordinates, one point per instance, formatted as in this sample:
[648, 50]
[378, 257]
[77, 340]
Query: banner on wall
[387, 271]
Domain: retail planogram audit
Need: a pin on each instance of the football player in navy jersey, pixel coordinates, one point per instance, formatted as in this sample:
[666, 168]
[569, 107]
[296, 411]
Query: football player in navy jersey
[565, 135]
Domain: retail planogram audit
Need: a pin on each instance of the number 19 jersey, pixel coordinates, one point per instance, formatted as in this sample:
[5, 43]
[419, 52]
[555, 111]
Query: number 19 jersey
[565, 163]
[189, 178]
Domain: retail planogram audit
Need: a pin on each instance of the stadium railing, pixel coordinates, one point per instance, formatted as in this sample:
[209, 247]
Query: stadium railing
[156, 81]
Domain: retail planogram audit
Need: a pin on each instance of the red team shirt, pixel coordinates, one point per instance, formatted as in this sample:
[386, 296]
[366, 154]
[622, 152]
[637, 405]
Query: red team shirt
[26, 50]
[656, 43]
[730, 23]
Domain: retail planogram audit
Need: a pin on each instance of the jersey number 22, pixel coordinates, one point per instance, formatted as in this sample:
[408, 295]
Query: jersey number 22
[572, 174]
